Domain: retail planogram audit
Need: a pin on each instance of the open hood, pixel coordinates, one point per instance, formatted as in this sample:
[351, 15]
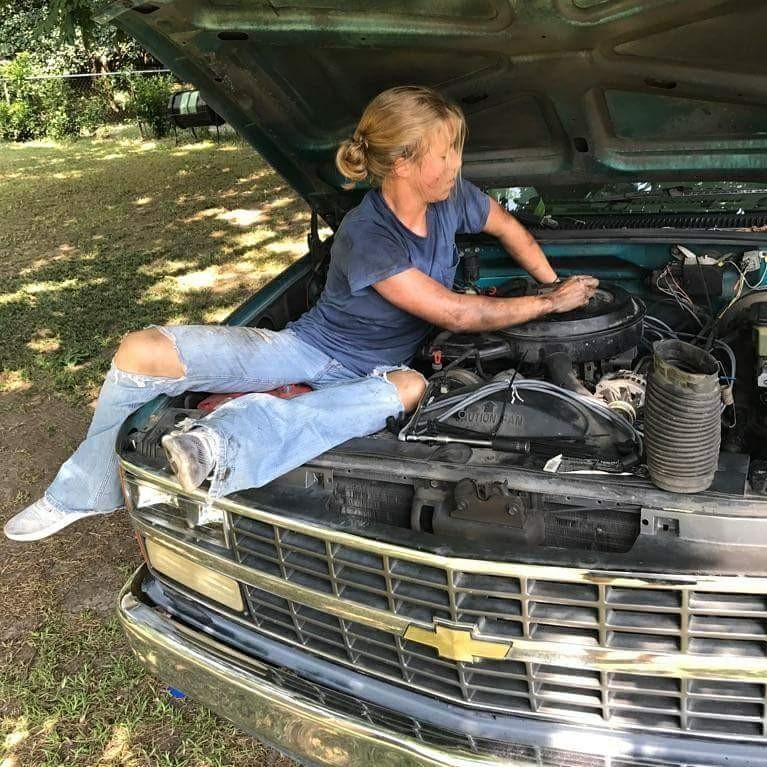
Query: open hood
[570, 91]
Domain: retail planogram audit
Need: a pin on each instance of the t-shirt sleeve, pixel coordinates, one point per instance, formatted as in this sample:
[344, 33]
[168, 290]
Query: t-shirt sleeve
[472, 207]
[371, 257]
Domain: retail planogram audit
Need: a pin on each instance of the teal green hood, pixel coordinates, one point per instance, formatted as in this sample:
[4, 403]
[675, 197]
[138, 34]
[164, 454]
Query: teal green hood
[554, 91]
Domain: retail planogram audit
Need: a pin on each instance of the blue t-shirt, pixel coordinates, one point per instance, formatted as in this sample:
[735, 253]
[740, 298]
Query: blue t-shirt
[351, 322]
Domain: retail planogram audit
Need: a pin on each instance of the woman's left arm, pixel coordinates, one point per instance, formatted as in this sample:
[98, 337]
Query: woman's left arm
[519, 243]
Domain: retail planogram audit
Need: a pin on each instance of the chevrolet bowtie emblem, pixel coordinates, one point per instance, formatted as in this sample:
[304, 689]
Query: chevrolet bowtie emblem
[458, 642]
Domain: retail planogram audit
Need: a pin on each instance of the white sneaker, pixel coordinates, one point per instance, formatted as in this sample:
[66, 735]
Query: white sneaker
[40, 519]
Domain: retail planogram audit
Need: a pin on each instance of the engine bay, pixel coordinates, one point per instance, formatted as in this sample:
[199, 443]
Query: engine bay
[569, 391]
[526, 388]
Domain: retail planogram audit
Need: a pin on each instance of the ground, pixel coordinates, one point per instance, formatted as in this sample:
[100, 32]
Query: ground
[97, 238]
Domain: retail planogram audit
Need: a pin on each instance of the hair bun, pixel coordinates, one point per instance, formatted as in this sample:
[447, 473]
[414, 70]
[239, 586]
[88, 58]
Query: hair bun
[351, 158]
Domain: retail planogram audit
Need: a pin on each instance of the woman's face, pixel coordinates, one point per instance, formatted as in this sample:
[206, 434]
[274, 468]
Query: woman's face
[434, 174]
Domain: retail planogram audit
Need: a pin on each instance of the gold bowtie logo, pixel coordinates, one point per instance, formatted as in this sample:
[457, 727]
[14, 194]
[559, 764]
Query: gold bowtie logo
[457, 642]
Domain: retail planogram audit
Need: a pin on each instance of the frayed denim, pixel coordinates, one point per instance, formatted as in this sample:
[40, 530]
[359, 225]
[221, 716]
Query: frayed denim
[259, 437]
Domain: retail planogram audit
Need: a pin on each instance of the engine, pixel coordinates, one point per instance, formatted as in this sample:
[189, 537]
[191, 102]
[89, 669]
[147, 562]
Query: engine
[583, 344]
[609, 387]
[560, 386]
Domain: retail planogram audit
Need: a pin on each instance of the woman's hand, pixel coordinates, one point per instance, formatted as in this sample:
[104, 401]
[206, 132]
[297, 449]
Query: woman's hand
[573, 292]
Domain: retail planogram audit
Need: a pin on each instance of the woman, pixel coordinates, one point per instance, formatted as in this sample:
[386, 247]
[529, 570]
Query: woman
[391, 271]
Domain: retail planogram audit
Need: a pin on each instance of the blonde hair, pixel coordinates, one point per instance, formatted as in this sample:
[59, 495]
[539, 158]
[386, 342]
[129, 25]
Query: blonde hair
[397, 123]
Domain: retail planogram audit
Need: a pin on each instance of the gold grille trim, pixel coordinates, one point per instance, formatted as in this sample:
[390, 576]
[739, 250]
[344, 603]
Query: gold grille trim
[524, 650]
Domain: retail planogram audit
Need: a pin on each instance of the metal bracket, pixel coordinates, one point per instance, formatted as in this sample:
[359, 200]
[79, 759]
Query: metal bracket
[704, 528]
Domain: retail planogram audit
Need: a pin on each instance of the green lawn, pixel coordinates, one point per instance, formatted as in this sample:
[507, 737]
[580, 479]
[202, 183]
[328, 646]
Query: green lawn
[84, 700]
[97, 238]
[101, 237]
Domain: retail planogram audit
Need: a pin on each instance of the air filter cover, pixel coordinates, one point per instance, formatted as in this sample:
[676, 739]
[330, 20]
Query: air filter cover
[610, 324]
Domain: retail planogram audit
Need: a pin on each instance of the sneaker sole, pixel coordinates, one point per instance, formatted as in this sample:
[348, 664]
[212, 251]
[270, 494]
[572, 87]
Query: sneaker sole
[177, 465]
[46, 532]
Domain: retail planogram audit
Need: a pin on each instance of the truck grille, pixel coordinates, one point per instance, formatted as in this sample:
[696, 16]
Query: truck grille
[434, 736]
[669, 617]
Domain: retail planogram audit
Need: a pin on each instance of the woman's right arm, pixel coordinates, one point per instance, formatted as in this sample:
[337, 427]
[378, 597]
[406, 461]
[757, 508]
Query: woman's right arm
[415, 292]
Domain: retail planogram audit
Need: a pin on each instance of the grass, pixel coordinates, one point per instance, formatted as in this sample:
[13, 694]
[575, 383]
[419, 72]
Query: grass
[101, 237]
[86, 701]
[97, 238]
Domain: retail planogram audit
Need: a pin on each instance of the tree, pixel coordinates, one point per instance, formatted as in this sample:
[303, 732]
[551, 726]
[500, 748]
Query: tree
[61, 36]
[54, 37]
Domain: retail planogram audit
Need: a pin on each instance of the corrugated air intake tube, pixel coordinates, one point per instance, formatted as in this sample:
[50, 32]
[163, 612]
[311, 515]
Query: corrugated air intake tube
[682, 417]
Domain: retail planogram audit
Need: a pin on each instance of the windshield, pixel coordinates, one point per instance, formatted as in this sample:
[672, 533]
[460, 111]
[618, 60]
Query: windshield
[634, 197]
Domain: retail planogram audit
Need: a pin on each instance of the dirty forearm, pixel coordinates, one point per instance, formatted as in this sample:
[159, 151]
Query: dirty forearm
[525, 250]
[477, 313]
[518, 243]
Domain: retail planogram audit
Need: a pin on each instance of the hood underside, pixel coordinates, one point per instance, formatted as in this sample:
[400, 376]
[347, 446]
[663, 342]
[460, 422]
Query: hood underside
[561, 91]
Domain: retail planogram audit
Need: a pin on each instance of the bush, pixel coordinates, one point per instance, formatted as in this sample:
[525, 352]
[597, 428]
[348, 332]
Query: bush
[22, 106]
[148, 102]
[16, 121]
[95, 111]
[60, 108]
[55, 108]
[69, 110]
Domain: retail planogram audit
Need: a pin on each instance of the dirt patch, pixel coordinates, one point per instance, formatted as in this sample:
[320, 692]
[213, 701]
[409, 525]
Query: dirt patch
[82, 567]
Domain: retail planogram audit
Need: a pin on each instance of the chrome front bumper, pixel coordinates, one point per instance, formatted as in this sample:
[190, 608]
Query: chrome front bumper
[237, 686]
[218, 677]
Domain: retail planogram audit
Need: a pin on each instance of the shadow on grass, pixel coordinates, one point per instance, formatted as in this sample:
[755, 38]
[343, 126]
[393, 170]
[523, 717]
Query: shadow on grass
[101, 238]
[80, 698]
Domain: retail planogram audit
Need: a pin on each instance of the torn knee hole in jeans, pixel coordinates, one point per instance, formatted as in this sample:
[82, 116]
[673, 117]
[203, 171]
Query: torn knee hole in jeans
[141, 379]
[173, 340]
[384, 372]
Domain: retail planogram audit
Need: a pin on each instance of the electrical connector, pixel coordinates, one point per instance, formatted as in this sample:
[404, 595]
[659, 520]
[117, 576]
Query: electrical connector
[751, 260]
[687, 257]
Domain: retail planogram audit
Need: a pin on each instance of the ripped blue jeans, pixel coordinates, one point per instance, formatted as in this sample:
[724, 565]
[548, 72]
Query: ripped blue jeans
[259, 437]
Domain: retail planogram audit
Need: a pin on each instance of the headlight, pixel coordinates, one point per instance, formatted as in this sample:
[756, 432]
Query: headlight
[202, 580]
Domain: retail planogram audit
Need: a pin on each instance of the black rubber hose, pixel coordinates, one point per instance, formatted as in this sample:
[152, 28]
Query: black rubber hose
[559, 367]
[682, 418]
